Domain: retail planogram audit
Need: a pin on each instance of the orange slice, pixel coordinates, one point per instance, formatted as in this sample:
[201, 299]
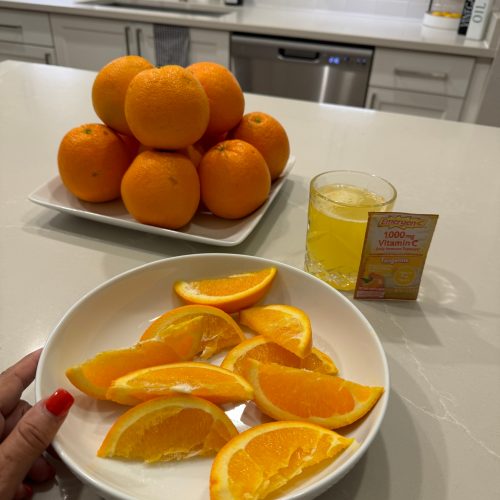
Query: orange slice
[286, 393]
[285, 325]
[94, 376]
[169, 428]
[218, 330]
[266, 351]
[266, 457]
[210, 382]
[229, 293]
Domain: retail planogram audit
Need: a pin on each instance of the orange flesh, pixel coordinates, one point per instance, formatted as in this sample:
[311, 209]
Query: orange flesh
[328, 394]
[230, 285]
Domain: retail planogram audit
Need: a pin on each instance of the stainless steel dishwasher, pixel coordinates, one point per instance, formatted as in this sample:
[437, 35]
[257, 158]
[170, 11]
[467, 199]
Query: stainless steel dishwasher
[311, 71]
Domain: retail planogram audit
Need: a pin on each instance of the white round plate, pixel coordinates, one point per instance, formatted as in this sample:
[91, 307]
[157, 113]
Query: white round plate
[116, 313]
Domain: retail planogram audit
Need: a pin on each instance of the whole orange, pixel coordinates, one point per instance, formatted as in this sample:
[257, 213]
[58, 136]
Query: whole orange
[110, 87]
[166, 108]
[92, 160]
[161, 188]
[268, 136]
[225, 96]
[234, 179]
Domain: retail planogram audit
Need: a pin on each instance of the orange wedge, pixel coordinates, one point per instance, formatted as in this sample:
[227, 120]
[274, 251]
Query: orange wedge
[210, 382]
[218, 330]
[229, 293]
[285, 325]
[169, 428]
[266, 351]
[286, 393]
[266, 457]
[94, 376]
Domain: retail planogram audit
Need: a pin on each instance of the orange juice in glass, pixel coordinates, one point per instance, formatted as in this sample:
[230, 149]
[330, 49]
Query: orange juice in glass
[339, 202]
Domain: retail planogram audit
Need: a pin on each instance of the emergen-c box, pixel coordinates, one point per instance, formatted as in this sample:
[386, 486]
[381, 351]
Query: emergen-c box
[394, 253]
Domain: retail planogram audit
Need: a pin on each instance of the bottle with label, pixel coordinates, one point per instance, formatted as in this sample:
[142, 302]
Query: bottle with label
[444, 14]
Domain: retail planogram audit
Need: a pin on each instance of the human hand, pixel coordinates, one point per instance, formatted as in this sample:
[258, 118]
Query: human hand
[25, 431]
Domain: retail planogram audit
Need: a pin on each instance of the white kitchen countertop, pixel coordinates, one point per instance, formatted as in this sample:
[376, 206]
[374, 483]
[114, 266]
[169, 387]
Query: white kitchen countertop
[380, 31]
[440, 437]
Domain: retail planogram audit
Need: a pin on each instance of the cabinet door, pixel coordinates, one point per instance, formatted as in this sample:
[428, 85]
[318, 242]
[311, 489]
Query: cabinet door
[27, 53]
[143, 41]
[89, 43]
[414, 103]
[209, 45]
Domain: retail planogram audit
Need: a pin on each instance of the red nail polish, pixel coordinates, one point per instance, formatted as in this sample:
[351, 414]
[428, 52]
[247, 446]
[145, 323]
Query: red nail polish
[28, 491]
[60, 402]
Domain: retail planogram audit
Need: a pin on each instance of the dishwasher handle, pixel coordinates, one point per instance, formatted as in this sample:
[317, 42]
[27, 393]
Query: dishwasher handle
[298, 55]
[292, 50]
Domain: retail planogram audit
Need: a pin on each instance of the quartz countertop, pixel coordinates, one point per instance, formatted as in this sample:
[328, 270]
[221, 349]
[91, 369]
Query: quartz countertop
[312, 24]
[440, 437]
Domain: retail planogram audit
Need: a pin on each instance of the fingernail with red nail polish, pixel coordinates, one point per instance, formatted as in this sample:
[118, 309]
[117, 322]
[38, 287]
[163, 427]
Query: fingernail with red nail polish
[60, 402]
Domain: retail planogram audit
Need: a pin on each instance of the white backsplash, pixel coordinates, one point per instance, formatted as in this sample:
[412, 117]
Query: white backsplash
[398, 8]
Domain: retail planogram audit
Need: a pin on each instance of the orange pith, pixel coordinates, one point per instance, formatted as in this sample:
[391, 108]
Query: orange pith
[266, 351]
[94, 376]
[266, 457]
[217, 329]
[234, 179]
[230, 293]
[203, 380]
[285, 325]
[92, 160]
[168, 428]
[286, 393]
[110, 87]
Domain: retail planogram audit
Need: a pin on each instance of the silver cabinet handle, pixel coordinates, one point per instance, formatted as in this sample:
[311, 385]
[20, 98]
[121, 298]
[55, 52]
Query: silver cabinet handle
[127, 39]
[421, 74]
[138, 35]
[47, 58]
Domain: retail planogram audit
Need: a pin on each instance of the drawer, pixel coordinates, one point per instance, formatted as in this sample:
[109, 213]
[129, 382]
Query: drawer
[27, 53]
[414, 103]
[422, 72]
[18, 26]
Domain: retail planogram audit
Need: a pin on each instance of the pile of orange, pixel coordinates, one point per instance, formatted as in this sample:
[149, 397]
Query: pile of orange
[175, 395]
[172, 140]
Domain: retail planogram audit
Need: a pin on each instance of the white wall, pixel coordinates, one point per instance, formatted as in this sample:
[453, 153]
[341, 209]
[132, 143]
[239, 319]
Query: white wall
[398, 8]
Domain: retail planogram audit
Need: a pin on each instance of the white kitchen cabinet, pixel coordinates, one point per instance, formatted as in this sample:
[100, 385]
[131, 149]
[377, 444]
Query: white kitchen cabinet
[209, 45]
[26, 36]
[27, 53]
[90, 43]
[414, 103]
[419, 83]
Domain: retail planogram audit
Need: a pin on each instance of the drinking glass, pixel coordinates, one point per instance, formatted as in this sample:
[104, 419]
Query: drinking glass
[339, 203]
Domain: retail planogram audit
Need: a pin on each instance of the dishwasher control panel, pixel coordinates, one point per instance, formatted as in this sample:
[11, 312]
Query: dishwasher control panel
[337, 60]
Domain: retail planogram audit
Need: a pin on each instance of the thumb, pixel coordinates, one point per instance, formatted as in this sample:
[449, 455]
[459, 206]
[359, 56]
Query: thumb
[29, 439]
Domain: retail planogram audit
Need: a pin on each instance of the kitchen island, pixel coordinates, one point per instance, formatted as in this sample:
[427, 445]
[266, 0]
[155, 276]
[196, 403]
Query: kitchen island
[439, 439]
